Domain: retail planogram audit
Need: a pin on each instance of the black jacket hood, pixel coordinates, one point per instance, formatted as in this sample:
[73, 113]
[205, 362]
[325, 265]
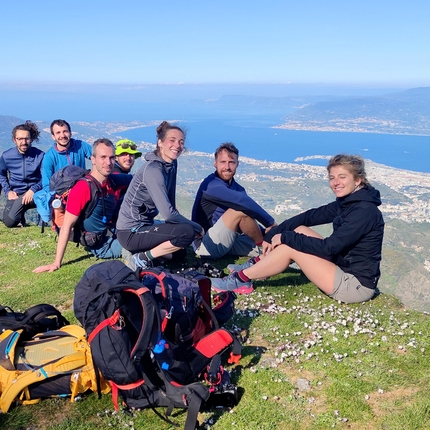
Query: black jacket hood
[367, 194]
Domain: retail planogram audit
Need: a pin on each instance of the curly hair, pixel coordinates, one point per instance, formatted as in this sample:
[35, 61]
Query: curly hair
[29, 126]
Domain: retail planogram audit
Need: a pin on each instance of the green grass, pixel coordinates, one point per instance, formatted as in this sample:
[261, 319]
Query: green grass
[366, 365]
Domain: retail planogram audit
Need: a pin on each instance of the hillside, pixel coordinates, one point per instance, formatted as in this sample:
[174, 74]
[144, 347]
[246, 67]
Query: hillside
[286, 189]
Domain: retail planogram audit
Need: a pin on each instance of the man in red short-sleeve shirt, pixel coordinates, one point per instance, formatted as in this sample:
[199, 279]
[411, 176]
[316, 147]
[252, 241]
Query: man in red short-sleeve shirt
[100, 220]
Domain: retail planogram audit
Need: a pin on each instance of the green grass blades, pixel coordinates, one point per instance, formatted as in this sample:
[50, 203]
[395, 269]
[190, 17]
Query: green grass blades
[308, 362]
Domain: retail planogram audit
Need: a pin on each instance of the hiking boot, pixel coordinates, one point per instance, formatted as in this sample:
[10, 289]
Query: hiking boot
[243, 266]
[232, 283]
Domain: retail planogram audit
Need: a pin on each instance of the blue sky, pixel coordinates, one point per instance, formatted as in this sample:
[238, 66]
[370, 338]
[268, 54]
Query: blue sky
[378, 42]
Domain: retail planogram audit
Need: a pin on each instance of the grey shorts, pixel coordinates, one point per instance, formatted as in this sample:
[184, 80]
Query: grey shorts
[220, 240]
[347, 288]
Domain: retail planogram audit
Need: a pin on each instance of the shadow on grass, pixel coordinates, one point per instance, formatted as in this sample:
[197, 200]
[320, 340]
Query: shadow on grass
[82, 258]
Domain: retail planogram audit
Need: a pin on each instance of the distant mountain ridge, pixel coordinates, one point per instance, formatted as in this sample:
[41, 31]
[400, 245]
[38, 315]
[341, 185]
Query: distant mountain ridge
[406, 112]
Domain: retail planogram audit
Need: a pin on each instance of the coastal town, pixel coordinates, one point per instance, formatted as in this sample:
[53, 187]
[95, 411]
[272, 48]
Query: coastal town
[405, 194]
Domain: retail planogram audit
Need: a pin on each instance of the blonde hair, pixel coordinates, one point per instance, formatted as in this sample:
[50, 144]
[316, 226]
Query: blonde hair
[353, 163]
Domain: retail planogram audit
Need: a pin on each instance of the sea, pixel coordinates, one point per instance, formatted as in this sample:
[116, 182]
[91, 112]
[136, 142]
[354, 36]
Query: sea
[251, 130]
[208, 124]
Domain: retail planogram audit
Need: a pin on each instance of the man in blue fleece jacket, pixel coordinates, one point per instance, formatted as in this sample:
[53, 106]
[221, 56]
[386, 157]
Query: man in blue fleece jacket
[20, 175]
[231, 219]
[65, 151]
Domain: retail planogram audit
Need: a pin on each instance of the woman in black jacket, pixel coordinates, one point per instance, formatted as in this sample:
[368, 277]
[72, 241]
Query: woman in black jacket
[345, 265]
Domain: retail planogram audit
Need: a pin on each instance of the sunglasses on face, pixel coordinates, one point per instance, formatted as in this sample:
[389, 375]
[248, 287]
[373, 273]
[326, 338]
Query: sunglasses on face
[128, 145]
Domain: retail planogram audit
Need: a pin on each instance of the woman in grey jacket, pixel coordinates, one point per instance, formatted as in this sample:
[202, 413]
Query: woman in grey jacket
[344, 265]
[152, 191]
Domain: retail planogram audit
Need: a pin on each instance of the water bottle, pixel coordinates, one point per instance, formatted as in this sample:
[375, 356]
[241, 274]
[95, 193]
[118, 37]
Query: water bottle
[57, 204]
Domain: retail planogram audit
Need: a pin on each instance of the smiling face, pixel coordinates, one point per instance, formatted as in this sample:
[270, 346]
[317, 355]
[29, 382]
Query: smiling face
[22, 140]
[342, 182]
[61, 134]
[125, 160]
[172, 146]
[226, 164]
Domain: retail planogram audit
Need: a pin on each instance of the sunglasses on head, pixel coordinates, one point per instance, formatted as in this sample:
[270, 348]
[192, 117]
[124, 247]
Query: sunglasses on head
[126, 145]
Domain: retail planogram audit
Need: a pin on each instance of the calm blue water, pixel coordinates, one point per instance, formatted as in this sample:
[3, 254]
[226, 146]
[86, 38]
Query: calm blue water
[256, 139]
[208, 125]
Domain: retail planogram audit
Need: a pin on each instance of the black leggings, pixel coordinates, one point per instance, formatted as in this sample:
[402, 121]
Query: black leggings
[150, 236]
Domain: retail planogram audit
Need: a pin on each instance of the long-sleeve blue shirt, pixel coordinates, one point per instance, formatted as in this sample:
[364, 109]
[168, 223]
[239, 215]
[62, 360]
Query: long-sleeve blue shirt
[215, 196]
[21, 172]
[54, 160]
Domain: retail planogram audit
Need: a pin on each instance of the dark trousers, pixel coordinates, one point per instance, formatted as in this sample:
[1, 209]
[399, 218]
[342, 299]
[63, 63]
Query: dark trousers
[14, 212]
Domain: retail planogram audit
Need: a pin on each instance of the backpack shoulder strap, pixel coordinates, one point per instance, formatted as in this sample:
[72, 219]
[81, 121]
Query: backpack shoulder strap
[38, 312]
[95, 191]
[150, 328]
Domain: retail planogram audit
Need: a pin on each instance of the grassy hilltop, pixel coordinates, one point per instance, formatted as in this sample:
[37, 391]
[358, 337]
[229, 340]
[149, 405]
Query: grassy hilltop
[308, 362]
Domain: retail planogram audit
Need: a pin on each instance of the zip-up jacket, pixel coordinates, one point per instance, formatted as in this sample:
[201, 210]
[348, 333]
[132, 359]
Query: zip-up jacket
[21, 172]
[152, 191]
[215, 196]
[356, 242]
[54, 160]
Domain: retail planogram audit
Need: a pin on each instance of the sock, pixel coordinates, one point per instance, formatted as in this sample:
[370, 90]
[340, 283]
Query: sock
[256, 259]
[259, 243]
[149, 256]
[242, 276]
[145, 256]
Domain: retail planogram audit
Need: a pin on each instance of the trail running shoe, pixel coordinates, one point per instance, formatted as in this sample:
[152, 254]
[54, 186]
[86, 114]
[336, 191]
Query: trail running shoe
[141, 263]
[232, 283]
[243, 266]
[133, 261]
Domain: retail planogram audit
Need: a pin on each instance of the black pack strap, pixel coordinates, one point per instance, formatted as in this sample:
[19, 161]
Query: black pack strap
[194, 404]
[38, 312]
[153, 407]
[151, 316]
[214, 369]
[211, 313]
[6, 310]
